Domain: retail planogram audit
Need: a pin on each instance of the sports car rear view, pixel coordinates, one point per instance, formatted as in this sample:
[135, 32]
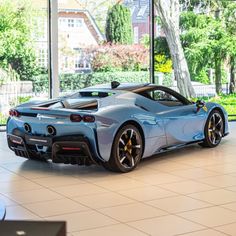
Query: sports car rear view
[115, 125]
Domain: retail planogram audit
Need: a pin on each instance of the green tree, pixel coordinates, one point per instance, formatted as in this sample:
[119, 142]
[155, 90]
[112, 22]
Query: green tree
[118, 25]
[97, 9]
[208, 42]
[169, 12]
[161, 47]
[16, 48]
[230, 16]
[196, 44]
[216, 40]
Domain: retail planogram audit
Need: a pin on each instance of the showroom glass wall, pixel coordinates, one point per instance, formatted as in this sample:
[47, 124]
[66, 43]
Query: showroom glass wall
[87, 55]
[84, 58]
[23, 52]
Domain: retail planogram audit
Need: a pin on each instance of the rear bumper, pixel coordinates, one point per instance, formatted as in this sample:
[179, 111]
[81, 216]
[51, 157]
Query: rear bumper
[74, 149]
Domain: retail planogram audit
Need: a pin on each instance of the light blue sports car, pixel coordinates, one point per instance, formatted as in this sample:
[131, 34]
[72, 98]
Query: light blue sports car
[115, 125]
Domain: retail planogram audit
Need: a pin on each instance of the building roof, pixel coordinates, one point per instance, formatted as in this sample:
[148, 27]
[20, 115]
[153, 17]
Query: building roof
[99, 35]
[71, 6]
[139, 10]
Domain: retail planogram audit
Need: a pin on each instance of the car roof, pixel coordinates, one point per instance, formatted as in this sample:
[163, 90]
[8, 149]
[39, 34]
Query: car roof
[139, 88]
[131, 87]
[122, 86]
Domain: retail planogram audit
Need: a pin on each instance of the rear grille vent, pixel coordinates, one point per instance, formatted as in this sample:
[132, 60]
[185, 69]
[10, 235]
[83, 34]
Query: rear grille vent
[21, 152]
[28, 114]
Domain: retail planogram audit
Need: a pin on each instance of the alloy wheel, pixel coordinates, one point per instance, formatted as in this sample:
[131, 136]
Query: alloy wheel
[215, 128]
[129, 148]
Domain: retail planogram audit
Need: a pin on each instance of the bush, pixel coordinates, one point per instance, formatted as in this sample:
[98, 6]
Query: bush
[201, 76]
[8, 75]
[3, 119]
[3, 76]
[168, 80]
[70, 82]
[103, 62]
[115, 57]
[22, 99]
[162, 64]
[227, 101]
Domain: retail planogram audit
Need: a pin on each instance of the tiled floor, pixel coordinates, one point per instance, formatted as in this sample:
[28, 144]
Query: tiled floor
[189, 192]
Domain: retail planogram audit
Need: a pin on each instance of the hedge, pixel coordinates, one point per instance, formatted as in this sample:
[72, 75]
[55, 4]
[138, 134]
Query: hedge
[70, 82]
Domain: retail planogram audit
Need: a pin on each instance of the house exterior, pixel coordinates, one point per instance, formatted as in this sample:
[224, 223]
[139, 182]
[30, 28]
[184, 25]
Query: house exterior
[77, 31]
[140, 11]
[140, 17]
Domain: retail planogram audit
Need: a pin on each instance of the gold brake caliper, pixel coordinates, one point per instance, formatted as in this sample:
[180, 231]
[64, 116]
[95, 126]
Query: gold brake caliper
[129, 146]
[209, 132]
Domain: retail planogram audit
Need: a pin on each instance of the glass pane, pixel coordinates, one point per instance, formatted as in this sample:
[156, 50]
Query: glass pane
[162, 59]
[93, 51]
[23, 53]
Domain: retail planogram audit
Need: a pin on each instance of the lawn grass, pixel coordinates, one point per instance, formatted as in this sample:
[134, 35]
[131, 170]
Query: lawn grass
[227, 101]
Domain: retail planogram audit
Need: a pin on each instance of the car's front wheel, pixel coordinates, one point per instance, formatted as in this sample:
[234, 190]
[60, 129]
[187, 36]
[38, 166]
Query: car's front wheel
[127, 150]
[214, 129]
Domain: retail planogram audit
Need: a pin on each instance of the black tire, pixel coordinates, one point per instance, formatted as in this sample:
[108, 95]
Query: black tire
[127, 150]
[213, 130]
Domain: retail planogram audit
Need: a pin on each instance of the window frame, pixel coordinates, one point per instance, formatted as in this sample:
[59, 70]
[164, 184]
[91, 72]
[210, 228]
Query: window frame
[143, 91]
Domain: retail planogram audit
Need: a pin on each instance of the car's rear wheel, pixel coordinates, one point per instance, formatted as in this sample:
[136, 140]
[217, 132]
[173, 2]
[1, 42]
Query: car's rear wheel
[214, 130]
[127, 150]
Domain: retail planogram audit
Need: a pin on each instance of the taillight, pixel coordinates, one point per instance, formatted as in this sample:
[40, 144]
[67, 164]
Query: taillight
[13, 112]
[79, 118]
[75, 118]
[88, 118]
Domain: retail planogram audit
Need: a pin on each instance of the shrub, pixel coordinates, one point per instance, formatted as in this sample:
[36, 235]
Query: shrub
[8, 75]
[3, 76]
[201, 76]
[168, 80]
[70, 82]
[22, 99]
[115, 57]
[227, 101]
[3, 119]
[104, 62]
[162, 64]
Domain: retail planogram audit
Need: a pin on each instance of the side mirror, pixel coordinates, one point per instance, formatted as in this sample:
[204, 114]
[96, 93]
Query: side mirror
[200, 104]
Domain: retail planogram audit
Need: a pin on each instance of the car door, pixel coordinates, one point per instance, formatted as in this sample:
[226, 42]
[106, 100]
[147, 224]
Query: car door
[182, 122]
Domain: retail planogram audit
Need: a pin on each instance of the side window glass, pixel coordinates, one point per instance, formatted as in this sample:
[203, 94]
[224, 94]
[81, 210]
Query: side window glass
[159, 95]
[166, 98]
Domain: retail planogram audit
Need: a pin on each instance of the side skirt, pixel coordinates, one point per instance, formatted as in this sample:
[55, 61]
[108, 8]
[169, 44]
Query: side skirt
[178, 146]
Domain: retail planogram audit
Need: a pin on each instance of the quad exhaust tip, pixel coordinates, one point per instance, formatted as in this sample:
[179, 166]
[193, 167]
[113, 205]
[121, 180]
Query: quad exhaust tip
[51, 130]
[27, 128]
